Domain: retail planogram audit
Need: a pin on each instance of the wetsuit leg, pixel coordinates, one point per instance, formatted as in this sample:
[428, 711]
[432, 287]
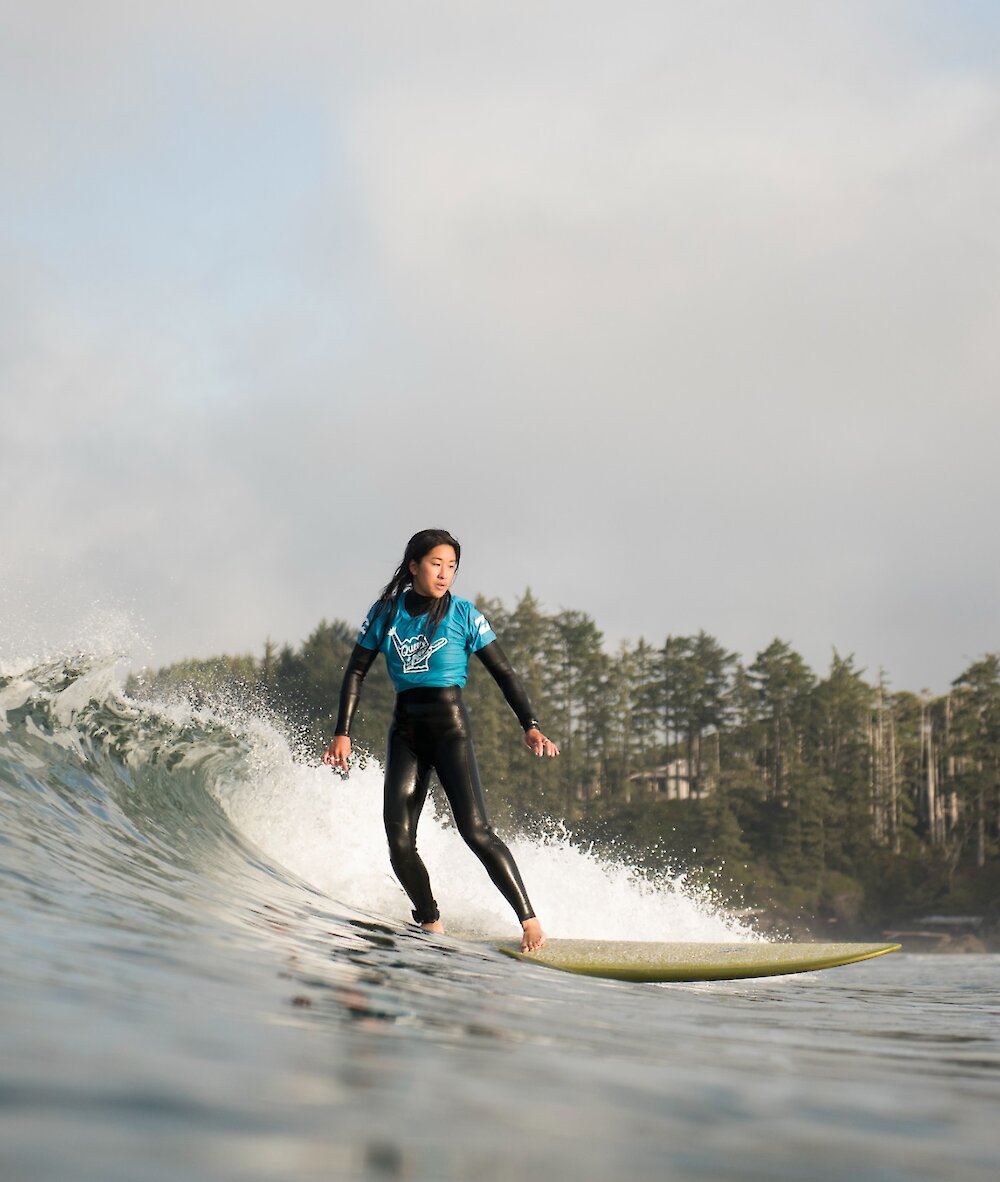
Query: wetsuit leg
[407, 778]
[455, 763]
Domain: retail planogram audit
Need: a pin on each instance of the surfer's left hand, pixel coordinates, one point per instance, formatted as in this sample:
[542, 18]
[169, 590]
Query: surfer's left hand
[536, 742]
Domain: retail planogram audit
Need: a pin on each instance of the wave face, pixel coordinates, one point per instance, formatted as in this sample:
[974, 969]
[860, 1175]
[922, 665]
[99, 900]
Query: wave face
[128, 797]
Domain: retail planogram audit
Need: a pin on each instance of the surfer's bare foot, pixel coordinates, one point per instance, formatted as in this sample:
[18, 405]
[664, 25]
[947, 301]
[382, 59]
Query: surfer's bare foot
[534, 937]
[434, 926]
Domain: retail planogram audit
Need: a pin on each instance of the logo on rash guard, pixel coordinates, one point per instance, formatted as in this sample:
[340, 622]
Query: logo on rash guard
[416, 652]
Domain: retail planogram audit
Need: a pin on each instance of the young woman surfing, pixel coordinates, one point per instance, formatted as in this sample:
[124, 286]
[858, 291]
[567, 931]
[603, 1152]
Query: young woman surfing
[427, 636]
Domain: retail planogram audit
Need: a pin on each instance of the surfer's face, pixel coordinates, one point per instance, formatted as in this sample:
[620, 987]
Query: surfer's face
[434, 573]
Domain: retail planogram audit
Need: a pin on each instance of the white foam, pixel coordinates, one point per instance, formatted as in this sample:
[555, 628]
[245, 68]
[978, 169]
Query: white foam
[328, 831]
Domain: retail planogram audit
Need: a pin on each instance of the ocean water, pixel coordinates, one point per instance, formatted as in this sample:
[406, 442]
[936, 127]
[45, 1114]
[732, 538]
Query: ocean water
[206, 972]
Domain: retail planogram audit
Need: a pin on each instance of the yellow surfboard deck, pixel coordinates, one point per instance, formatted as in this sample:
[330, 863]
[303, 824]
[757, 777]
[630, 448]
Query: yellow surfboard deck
[634, 960]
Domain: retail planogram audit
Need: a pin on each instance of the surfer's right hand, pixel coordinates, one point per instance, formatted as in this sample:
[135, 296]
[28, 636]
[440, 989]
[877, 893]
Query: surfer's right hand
[338, 753]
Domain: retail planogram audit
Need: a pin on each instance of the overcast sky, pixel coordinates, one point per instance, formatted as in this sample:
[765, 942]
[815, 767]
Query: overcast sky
[685, 315]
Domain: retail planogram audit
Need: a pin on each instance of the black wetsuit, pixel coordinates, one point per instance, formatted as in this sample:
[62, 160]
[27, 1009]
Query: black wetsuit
[430, 731]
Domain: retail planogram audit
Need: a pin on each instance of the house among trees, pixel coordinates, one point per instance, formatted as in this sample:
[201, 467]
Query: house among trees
[669, 781]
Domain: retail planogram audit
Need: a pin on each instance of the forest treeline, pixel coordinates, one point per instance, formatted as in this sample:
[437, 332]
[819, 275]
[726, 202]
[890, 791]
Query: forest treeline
[830, 795]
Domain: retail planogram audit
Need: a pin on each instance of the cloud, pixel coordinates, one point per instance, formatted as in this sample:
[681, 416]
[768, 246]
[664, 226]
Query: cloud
[683, 314]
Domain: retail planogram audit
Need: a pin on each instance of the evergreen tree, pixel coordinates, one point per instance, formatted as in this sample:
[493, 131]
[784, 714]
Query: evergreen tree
[840, 749]
[783, 684]
[975, 746]
[576, 685]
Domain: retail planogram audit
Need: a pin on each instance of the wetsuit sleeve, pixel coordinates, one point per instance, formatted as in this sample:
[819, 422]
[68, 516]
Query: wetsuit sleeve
[361, 660]
[502, 672]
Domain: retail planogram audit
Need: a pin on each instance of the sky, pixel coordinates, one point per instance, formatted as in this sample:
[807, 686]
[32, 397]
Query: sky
[683, 315]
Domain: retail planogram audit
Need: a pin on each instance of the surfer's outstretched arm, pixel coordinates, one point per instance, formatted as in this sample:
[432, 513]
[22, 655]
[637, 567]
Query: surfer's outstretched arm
[360, 662]
[500, 669]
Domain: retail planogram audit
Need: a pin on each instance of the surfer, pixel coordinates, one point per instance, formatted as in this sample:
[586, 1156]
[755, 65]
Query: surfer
[427, 635]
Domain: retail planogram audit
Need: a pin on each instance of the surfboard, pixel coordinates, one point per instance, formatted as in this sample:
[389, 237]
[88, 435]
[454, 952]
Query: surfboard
[632, 960]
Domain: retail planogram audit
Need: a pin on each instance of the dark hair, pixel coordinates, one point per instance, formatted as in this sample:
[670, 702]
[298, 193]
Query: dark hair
[419, 545]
